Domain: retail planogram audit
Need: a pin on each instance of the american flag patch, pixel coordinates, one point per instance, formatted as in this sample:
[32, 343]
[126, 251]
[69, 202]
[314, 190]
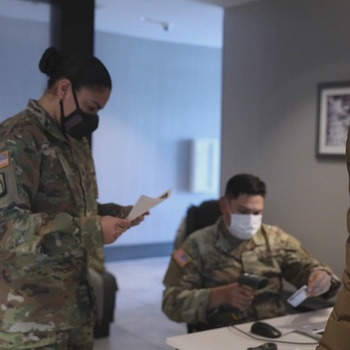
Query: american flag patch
[181, 257]
[4, 159]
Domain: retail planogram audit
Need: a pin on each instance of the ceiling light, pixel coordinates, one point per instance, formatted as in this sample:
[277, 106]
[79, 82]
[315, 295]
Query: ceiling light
[165, 25]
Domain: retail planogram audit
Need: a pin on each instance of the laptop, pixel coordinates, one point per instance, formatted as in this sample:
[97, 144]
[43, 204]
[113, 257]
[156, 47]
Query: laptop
[312, 326]
[312, 329]
[311, 323]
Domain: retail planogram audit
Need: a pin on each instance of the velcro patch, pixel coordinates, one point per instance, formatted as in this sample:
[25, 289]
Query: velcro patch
[4, 159]
[3, 186]
[181, 257]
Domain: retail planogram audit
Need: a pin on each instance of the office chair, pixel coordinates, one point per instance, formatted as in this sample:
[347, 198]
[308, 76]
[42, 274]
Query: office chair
[196, 218]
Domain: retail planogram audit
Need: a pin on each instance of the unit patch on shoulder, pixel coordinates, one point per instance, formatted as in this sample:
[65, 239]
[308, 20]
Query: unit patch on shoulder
[8, 181]
[3, 187]
[181, 257]
[4, 159]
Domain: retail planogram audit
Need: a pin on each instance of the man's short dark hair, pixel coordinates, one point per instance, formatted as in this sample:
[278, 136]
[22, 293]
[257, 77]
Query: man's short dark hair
[244, 184]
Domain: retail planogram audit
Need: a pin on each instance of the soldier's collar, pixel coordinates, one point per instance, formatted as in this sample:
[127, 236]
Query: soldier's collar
[45, 120]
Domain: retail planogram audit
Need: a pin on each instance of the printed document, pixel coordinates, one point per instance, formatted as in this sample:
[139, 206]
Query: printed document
[145, 203]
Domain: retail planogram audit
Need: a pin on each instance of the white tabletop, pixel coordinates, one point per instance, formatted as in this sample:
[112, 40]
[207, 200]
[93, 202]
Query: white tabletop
[229, 338]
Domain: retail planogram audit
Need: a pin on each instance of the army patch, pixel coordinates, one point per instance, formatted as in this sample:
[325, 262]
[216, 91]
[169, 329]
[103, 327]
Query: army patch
[3, 187]
[4, 159]
[181, 257]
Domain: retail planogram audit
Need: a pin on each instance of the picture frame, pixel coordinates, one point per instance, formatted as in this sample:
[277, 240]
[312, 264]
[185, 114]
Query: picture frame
[333, 116]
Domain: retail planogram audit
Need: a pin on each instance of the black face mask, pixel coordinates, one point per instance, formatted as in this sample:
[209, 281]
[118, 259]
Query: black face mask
[78, 124]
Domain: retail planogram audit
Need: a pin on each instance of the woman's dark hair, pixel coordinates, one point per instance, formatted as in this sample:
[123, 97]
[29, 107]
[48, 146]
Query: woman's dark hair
[245, 184]
[81, 70]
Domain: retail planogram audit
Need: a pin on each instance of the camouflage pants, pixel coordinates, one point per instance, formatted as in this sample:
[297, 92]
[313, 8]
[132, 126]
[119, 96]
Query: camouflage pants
[73, 339]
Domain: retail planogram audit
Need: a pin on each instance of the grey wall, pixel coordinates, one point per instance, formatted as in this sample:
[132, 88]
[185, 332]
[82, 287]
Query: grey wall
[275, 54]
[164, 95]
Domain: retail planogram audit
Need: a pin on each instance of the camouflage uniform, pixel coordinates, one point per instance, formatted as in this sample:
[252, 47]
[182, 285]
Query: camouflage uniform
[49, 225]
[337, 333]
[212, 257]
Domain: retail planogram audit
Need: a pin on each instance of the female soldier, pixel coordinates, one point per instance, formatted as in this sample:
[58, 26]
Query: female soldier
[50, 221]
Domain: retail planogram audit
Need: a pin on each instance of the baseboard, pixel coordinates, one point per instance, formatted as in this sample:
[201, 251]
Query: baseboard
[137, 251]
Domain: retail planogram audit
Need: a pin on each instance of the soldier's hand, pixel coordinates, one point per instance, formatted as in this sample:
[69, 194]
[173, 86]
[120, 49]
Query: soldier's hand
[318, 283]
[113, 227]
[139, 219]
[240, 297]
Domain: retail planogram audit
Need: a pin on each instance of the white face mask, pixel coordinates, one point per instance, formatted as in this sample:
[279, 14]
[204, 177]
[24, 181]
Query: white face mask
[244, 226]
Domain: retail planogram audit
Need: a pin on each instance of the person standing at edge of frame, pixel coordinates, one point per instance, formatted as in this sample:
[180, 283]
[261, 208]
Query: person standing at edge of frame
[50, 220]
[337, 333]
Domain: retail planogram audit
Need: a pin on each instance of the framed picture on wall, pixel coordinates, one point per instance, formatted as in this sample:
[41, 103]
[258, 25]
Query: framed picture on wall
[333, 118]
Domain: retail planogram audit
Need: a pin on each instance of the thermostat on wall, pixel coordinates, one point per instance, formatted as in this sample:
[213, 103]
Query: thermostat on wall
[204, 177]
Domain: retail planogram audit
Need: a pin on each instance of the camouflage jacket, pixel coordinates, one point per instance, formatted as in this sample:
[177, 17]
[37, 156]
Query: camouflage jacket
[212, 257]
[49, 224]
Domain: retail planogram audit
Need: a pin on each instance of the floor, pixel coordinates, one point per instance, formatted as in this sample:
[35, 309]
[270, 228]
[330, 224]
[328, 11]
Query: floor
[139, 322]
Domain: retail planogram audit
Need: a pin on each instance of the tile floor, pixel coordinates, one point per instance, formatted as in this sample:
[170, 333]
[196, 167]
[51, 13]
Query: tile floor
[139, 322]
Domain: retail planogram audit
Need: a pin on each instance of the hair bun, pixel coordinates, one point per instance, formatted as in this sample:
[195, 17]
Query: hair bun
[49, 60]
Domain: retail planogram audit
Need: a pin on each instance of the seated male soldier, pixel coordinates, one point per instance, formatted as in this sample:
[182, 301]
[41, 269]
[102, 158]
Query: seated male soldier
[201, 282]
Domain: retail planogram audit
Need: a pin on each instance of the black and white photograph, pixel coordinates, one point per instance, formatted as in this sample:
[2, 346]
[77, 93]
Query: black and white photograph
[333, 117]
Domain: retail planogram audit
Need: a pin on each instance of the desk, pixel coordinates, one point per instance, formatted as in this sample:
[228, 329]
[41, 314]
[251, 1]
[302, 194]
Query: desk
[228, 338]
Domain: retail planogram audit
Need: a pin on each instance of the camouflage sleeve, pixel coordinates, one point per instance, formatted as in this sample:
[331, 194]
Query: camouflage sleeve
[298, 264]
[21, 230]
[97, 260]
[183, 299]
[112, 209]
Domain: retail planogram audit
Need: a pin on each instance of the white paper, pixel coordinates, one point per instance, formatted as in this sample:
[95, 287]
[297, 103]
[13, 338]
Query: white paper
[298, 297]
[145, 203]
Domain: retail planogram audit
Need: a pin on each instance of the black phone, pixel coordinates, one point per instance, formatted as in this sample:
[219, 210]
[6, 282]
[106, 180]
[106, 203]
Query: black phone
[265, 346]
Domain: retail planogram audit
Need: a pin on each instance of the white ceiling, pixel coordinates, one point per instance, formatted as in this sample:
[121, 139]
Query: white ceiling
[194, 22]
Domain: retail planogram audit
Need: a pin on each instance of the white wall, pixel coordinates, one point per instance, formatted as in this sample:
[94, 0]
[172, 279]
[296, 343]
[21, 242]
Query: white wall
[22, 43]
[164, 95]
[275, 54]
